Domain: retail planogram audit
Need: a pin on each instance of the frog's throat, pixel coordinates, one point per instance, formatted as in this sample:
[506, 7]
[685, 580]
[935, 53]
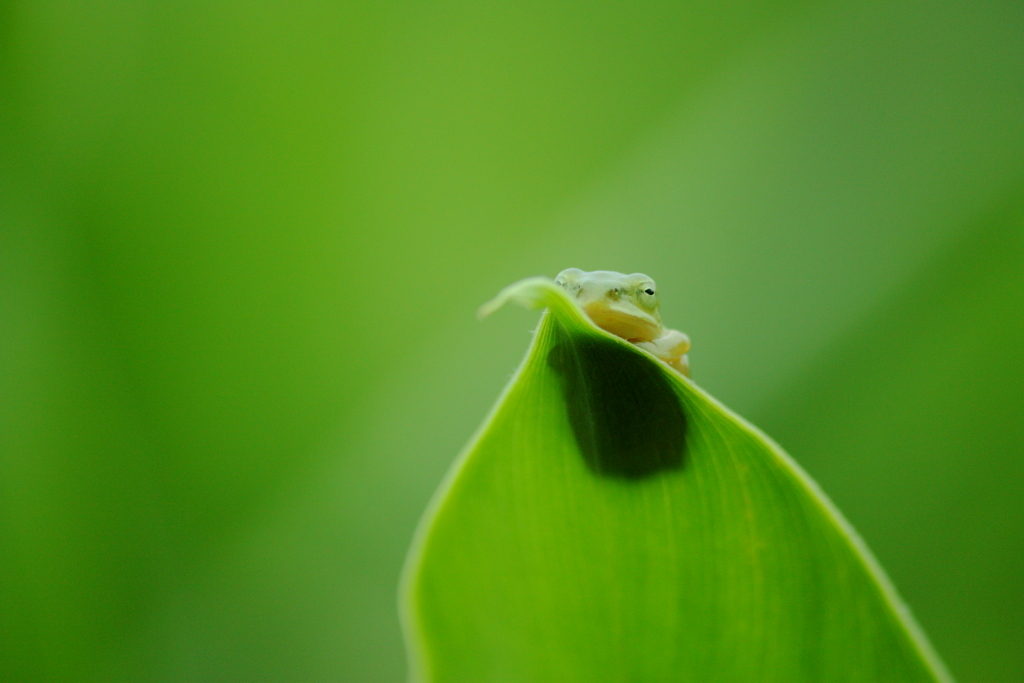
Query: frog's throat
[623, 324]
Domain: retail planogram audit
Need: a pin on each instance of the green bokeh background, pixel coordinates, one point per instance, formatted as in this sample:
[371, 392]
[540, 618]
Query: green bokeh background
[241, 245]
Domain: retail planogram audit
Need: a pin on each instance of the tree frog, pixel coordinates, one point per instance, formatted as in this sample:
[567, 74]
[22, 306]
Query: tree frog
[627, 306]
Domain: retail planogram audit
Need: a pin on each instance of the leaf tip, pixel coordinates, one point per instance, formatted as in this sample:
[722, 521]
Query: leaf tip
[532, 293]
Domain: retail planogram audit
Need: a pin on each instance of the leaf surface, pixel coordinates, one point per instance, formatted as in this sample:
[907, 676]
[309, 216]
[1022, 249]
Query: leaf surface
[610, 521]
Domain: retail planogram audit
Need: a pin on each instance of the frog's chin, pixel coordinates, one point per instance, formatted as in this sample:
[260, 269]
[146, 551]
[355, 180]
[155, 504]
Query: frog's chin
[625, 324]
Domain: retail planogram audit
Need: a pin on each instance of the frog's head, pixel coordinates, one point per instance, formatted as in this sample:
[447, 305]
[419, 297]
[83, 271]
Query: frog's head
[625, 305]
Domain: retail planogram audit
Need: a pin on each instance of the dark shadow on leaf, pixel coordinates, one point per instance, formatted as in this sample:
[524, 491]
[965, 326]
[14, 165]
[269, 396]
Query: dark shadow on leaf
[626, 417]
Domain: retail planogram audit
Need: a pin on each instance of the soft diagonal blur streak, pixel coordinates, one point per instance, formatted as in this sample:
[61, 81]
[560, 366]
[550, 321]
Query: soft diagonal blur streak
[941, 446]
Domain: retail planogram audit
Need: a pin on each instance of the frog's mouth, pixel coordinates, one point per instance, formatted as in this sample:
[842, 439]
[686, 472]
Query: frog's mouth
[625, 324]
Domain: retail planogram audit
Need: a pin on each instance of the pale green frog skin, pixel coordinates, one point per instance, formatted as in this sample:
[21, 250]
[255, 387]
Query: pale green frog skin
[627, 306]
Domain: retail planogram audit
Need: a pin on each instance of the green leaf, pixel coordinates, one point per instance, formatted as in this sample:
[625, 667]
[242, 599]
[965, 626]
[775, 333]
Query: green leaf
[610, 521]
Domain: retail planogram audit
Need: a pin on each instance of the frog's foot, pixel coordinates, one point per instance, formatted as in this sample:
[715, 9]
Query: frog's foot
[671, 348]
[682, 364]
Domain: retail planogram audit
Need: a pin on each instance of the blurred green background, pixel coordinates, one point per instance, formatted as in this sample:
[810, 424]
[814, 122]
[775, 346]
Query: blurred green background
[241, 245]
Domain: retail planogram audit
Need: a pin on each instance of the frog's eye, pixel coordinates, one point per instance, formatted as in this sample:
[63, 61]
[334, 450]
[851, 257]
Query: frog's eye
[645, 295]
